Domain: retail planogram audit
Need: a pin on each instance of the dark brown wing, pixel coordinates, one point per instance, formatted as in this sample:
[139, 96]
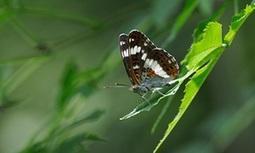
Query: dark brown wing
[132, 48]
[160, 63]
[139, 44]
[142, 58]
[124, 50]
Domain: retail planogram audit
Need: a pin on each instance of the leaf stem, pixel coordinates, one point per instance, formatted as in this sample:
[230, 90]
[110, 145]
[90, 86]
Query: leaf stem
[236, 6]
[161, 115]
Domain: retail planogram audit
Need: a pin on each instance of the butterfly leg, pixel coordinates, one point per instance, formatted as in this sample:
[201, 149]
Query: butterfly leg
[159, 92]
[145, 99]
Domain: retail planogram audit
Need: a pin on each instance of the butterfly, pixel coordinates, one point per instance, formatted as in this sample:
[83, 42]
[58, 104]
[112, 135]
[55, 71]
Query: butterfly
[148, 67]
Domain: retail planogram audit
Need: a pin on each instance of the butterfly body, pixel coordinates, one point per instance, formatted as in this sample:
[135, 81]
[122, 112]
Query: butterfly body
[148, 67]
[149, 84]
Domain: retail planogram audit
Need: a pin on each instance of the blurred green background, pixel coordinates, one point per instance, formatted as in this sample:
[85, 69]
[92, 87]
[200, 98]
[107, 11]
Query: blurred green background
[57, 55]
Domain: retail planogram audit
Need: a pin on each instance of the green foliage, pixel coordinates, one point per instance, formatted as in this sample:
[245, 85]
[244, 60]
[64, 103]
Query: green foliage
[204, 46]
[237, 22]
[65, 130]
[205, 42]
[67, 85]
[181, 19]
[202, 51]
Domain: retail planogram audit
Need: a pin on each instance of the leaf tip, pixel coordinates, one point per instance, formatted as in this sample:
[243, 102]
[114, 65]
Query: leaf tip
[129, 115]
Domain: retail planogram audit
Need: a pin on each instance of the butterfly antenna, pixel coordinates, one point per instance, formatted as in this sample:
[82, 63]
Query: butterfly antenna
[117, 85]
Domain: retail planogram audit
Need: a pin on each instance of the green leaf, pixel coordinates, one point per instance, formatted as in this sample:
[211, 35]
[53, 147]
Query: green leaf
[216, 15]
[205, 42]
[74, 82]
[210, 59]
[68, 85]
[237, 22]
[202, 49]
[191, 89]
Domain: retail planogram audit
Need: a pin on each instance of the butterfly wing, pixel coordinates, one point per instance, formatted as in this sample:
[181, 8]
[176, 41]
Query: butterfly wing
[160, 63]
[132, 47]
[125, 54]
[142, 59]
[152, 61]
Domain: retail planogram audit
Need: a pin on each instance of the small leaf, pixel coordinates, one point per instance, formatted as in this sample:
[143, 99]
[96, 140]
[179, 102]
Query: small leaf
[68, 85]
[205, 41]
[237, 22]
